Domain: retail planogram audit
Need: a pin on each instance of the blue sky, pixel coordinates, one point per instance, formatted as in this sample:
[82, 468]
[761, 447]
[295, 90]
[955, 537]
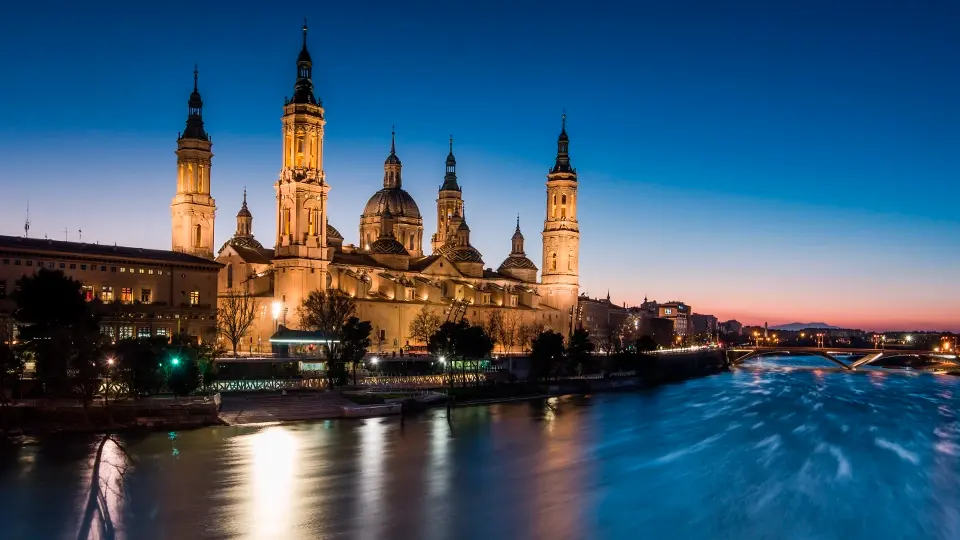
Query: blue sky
[758, 160]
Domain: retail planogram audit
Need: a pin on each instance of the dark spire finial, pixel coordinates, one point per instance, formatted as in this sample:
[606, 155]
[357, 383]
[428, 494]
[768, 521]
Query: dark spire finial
[518, 221]
[393, 139]
[195, 73]
[451, 143]
[244, 195]
[304, 32]
[563, 121]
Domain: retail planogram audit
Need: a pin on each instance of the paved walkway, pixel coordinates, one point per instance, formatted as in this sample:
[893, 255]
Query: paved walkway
[242, 410]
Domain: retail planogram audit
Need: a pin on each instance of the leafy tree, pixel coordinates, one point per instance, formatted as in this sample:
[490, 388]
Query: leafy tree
[646, 344]
[580, 352]
[546, 355]
[354, 341]
[424, 324]
[61, 331]
[236, 313]
[460, 341]
[138, 365]
[11, 369]
[182, 371]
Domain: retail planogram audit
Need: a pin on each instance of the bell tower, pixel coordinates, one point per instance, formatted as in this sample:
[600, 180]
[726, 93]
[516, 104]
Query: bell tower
[193, 209]
[301, 248]
[449, 203]
[561, 234]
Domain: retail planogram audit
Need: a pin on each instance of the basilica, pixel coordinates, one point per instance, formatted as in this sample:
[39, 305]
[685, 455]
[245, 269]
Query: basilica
[387, 271]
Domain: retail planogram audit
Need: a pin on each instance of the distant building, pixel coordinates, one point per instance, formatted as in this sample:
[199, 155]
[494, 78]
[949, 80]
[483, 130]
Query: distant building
[703, 324]
[601, 318]
[731, 327]
[679, 313]
[137, 292]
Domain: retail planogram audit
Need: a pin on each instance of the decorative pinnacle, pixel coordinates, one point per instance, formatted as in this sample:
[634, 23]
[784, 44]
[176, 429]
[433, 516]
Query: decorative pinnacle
[195, 72]
[304, 32]
[451, 143]
[563, 120]
[393, 139]
[244, 195]
[518, 221]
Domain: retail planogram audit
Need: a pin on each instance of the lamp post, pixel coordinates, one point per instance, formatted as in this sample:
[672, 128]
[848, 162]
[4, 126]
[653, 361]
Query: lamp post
[276, 309]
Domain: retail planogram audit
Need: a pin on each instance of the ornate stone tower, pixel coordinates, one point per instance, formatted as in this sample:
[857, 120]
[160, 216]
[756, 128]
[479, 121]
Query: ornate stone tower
[449, 203]
[301, 255]
[561, 234]
[193, 209]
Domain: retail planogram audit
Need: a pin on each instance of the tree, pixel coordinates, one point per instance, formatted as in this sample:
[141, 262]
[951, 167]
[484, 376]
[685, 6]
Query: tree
[235, 315]
[580, 352]
[11, 369]
[460, 341]
[492, 324]
[646, 344]
[329, 312]
[138, 365]
[183, 374]
[355, 340]
[546, 355]
[424, 324]
[530, 332]
[512, 325]
[326, 311]
[60, 330]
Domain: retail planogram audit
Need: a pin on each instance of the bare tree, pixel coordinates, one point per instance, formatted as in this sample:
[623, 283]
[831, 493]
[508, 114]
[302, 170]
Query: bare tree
[531, 332]
[326, 311]
[492, 324]
[425, 324]
[236, 313]
[512, 325]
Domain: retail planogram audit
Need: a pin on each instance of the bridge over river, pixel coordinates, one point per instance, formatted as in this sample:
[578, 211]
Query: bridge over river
[738, 355]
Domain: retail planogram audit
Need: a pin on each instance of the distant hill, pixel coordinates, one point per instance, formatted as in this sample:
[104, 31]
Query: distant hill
[797, 326]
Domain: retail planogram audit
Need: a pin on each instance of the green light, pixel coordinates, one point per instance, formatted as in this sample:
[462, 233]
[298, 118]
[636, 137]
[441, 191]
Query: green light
[175, 361]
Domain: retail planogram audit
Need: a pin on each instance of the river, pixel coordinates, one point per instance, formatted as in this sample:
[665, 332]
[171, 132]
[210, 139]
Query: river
[764, 451]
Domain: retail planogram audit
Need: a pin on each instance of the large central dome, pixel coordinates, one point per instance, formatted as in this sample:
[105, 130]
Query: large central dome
[400, 202]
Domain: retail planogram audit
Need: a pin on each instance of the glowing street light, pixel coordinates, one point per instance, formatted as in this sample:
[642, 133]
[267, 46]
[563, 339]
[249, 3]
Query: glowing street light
[110, 361]
[374, 360]
[175, 361]
[443, 359]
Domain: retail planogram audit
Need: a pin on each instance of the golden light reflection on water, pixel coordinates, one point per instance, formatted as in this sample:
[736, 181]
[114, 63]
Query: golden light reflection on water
[273, 469]
[372, 449]
[437, 473]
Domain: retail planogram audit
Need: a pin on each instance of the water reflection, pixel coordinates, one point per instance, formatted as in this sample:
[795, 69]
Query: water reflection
[789, 452]
[272, 483]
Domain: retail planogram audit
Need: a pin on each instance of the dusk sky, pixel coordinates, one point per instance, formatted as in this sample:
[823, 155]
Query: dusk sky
[764, 161]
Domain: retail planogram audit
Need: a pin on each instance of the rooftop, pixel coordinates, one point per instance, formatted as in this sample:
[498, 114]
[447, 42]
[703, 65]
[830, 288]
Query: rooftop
[20, 243]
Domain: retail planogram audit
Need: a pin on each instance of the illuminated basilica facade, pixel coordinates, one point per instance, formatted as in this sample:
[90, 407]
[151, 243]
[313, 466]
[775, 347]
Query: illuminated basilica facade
[388, 271]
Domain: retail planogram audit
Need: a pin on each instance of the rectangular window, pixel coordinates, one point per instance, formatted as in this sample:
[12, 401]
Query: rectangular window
[141, 270]
[126, 295]
[126, 332]
[123, 270]
[143, 332]
[162, 331]
[51, 264]
[6, 261]
[103, 268]
[83, 267]
[17, 262]
[62, 266]
[108, 331]
[3, 289]
[113, 268]
[133, 271]
[194, 298]
[29, 263]
[106, 294]
[150, 271]
[145, 295]
[87, 293]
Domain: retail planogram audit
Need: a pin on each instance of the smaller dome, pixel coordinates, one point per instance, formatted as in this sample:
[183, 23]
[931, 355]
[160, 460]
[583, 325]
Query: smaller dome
[243, 242]
[244, 211]
[388, 246]
[517, 235]
[463, 226]
[400, 202]
[520, 263]
[392, 159]
[333, 233]
[304, 55]
[460, 253]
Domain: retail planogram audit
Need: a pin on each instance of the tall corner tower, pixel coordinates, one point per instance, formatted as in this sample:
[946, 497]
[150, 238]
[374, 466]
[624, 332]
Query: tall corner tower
[301, 257]
[193, 209]
[449, 203]
[560, 269]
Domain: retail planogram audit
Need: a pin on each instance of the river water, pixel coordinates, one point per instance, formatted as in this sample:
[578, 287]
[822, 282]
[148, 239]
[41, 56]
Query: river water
[764, 451]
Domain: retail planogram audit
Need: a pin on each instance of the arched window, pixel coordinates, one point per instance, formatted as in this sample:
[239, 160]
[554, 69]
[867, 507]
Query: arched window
[563, 200]
[570, 261]
[229, 276]
[411, 241]
[553, 261]
[313, 219]
[198, 236]
[286, 221]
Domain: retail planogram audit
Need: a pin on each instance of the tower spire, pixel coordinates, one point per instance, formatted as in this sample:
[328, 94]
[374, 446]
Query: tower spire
[304, 33]
[563, 142]
[303, 88]
[518, 221]
[393, 139]
[194, 129]
[450, 178]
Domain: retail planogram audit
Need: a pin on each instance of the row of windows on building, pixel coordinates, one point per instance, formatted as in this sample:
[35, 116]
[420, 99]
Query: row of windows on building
[91, 267]
[106, 294]
[129, 331]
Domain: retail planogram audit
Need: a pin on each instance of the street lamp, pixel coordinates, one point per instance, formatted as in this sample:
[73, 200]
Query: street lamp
[276, 309]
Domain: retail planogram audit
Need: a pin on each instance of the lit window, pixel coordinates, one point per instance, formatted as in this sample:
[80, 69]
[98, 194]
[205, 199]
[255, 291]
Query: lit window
[286, 221]
[123, 270]
[106, 294]
[163, 332]
[51, 264]
[87, 293]
[126, 295]
[133, 271]
[126, 332]
[108, 331]
[198, 239]
[194, 298]
[145, 295]
[150, 271]
[142, 271]
[143, 331]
